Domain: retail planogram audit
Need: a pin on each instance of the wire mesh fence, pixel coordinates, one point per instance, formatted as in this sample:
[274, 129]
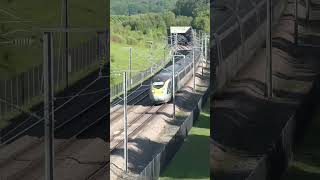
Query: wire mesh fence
[153, 169]
[25, 88]
[140, 77]
[268, 166]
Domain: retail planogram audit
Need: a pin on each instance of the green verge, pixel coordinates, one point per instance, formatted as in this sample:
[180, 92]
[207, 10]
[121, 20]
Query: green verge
[40, 14]
[5, 120]
[142, 58]
[306, 163]
[192, 160]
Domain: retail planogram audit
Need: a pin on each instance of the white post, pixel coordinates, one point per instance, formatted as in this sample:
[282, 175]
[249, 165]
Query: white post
[173, 88]
[194, 71]
[125, 121]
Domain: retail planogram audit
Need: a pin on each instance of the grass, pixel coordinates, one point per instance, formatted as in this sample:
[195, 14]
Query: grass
[306, 163]
[192, 160]
[5, 120]
[142, 58]
[13, 59]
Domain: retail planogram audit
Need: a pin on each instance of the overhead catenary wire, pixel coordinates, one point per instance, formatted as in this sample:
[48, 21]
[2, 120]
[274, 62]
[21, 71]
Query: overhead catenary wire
[40, 119]
[84, 94]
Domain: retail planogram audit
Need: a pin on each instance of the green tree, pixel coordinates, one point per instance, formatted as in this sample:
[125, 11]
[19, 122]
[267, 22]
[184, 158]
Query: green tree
[185, 7]
[183, 21]
[201, 18]
[169, 18]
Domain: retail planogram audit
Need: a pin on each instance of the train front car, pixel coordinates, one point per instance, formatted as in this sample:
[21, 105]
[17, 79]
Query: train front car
[160, 88]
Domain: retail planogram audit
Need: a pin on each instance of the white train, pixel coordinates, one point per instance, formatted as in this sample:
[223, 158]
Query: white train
[161, 83]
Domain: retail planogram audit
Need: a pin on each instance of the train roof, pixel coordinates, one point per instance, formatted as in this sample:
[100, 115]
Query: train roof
[161, 77]
[166, 73]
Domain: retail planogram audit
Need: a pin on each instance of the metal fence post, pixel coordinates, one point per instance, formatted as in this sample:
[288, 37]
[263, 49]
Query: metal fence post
[48, 106]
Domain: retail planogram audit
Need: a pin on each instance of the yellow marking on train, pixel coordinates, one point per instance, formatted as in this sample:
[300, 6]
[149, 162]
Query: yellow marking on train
[157, 92]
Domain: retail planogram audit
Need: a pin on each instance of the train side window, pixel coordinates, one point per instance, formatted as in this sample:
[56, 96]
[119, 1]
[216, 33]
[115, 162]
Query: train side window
[230, 43]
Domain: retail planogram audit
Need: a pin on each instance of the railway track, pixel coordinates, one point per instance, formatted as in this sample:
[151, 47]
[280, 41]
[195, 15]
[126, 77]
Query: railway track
[78, 124]
[140, 97]
[140, 90]
[65, 110]
[114, 144]
[81, 125]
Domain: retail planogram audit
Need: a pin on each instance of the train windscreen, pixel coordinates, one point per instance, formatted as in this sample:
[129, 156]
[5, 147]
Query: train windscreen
[157, 85]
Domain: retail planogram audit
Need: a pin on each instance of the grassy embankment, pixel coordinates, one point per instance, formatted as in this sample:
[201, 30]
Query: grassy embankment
[36, 14]
[192, 160]
[20, 20]
[144, 55]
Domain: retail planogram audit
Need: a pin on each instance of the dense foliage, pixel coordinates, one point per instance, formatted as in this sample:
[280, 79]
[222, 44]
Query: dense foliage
[129, 7]
[136, 23]
[162, 14]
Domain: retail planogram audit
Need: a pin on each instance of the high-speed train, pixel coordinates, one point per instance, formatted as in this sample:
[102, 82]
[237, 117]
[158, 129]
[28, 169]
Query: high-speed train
[161, 83]
[239, 29]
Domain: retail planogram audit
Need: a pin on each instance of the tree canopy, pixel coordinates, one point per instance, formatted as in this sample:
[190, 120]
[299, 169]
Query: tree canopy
[129, 7]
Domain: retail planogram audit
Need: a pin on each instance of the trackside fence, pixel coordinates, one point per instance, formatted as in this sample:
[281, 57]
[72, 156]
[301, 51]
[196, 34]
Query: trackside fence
[137, 78]
[24, 88]
[272, 164]
[154, 168]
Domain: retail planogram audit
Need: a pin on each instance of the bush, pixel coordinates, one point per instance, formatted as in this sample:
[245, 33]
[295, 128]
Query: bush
[117, 38]
[131, 41]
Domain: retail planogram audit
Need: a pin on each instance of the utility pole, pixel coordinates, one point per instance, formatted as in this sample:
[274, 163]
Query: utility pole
[65, 8]
[205, 52]
[173, 84]
[205, 47]
[201, 42]
[193, 71]
[173, 88]
[125, 122]
[48, 105]
[269, 51]
[130, 66]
